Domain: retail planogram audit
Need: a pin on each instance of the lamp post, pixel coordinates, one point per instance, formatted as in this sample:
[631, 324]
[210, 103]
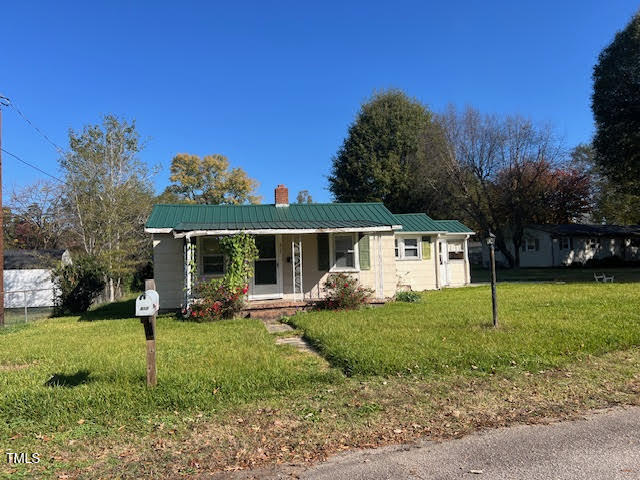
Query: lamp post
[491, 240]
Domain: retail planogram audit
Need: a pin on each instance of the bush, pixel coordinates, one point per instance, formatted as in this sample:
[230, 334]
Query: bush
[77, 285]
[224, 297]
[217, 299]
[409, 297]
[342, 292]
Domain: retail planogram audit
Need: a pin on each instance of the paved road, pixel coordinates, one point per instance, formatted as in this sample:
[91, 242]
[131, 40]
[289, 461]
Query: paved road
[603, 446]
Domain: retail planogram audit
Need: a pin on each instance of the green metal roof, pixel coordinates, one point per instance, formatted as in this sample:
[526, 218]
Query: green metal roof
[453, 226]
[258, 217]
[417, 222]
[420, 222]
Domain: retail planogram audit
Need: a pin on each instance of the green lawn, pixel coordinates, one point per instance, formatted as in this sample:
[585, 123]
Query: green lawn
[570, 275]
[541, 326]
[56, 373]
[73, 389]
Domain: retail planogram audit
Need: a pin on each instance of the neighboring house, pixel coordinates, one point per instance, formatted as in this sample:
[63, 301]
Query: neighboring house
[301, 244]
[563, 245]
[27, 276]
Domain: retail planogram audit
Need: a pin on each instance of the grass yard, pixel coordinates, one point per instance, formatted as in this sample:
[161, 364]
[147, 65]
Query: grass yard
[87, 378]
[480, 274]
[229, 398]
[541, 326]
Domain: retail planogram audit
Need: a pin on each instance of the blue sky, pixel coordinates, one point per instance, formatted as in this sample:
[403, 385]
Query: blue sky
[274, 85]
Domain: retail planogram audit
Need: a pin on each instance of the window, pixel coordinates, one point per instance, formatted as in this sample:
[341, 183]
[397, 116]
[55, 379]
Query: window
[410, 248]
[530, 245]
[407, 248]
[212, 257]
[344, 252]
[565, 243]
[456, 251]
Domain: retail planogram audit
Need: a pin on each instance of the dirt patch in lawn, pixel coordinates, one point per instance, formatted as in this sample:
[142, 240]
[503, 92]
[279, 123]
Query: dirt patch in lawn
[12, 367]
[292, 433]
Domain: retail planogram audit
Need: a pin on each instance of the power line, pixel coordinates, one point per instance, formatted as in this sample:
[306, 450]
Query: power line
[59, 149]
[33, 166]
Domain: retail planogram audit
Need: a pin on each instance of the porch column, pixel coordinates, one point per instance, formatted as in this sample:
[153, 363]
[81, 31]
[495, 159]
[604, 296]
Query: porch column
[296, 268]
[188, 263]
[467, 267]
[436, 259]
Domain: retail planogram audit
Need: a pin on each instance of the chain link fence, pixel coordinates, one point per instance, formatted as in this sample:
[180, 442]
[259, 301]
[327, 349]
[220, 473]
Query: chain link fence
[22, 306]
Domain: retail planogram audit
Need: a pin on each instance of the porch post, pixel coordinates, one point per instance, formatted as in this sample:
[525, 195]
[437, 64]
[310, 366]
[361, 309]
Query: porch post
[436, 259]
[467, 267]
[188, 261]
[300, 259]
[296, 268]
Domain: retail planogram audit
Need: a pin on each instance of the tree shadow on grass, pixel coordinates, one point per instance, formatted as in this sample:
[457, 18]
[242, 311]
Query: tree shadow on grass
[111, 311]
[72, 380]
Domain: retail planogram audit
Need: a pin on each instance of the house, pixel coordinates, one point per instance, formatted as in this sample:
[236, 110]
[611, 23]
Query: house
[301, 244]
[567, 244]
[27, 276]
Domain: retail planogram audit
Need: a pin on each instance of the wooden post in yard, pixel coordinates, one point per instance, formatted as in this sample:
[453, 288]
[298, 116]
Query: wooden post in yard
[494, 299]
[149, 324]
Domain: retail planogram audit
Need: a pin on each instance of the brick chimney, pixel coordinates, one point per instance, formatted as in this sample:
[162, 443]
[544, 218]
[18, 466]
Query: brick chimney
[282, 196]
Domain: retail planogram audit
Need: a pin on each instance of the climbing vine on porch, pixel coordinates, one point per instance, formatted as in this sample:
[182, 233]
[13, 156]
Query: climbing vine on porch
[224, 297]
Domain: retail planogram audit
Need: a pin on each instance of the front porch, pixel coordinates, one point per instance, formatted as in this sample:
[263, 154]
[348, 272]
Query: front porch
[291, 269]
[275, 309]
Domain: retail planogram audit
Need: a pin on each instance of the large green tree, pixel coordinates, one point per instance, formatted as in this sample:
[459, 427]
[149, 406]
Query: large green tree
[616, 108]
[209, 180]
[384, 149]
[109, 193]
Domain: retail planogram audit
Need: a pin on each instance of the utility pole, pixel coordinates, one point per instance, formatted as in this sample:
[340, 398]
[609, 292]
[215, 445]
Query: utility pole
[3, 102]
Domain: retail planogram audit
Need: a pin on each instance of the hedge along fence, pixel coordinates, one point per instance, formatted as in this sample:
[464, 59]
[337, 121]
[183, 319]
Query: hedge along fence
[224, 297]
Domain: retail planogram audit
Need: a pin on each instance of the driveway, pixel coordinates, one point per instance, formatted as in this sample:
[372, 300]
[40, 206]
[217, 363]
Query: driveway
[605, 445]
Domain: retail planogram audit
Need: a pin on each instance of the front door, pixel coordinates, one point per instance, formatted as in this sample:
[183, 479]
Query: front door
[443, 261]
[266, 282]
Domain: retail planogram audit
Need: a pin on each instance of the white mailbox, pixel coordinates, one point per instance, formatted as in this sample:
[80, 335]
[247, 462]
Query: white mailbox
[147, 304]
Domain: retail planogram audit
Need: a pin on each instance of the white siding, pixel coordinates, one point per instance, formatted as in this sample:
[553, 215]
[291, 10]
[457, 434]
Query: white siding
[420, 274]
[168, 270]
[38, 281]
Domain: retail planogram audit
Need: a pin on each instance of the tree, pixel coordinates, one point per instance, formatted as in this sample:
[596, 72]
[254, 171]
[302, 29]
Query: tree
[506, 173]
[616, 108]
[610, 203]
[40, 220]
[109, 192]
[208, 180]
[384, 147]
[304, 197]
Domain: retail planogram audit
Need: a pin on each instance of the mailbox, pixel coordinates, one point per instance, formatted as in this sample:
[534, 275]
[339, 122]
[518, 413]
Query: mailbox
[147, 304]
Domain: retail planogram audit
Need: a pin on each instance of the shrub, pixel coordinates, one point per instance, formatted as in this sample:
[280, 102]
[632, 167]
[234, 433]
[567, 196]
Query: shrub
[409, 297]
[77, 285]
[224, 297]
[343, 292]
[217, 299]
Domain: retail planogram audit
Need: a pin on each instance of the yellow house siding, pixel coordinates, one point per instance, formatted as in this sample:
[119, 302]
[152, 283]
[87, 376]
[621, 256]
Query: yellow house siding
[418, 274]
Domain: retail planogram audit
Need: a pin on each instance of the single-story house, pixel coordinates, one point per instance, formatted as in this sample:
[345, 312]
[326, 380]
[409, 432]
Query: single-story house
[27, 276]
[566, 244]
[301, 244]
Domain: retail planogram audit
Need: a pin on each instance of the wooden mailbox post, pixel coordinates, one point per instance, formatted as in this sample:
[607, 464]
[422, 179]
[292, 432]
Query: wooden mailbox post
[146, 309]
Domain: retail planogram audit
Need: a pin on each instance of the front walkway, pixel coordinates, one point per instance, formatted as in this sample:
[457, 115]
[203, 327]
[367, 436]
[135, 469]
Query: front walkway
[279, 329]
